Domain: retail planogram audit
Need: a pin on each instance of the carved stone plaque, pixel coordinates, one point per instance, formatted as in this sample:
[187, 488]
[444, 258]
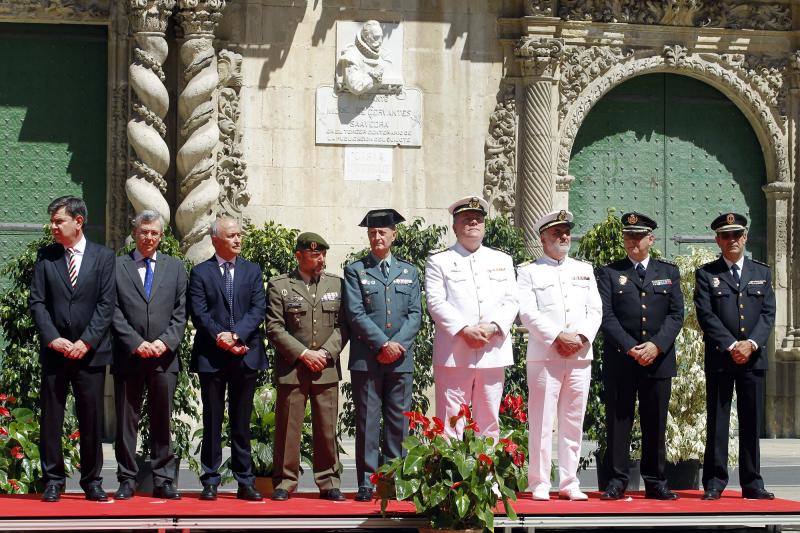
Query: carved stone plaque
[369, 119]
[368, 163]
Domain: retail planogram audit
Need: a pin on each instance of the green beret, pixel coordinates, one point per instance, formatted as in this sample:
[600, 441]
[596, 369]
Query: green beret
[310, 241]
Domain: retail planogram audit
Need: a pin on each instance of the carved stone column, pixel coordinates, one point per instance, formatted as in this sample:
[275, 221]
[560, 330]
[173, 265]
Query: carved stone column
[199, 131]
[145, 185]
[540, 65]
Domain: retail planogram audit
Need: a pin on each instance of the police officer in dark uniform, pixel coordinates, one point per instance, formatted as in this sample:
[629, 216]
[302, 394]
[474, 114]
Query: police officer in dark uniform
[736, 311]
[382, 304]
[642, 316]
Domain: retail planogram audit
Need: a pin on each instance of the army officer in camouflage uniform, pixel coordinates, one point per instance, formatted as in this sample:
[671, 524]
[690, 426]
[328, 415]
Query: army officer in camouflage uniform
[382, 303]
[306, 327]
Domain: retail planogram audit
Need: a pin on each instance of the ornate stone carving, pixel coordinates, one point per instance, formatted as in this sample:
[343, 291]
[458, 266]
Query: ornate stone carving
[118, 209]
[539, 8]
[199, 130]
[675, 55]
[500, 171]
[145, 185]
[716, 13]
[56, 10]
[231, 166]
[767, 75]
[675, 61]
[364, 66]
[539, 57]
[580, 66]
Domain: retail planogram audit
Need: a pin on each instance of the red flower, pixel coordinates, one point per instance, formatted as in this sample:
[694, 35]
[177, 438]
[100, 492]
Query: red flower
[16, 452]
[14, 484]
[522, 416]
[3, 397]
[4, 411]
[455, 485]
[473, 426]
[509, 446]
[437, 428]
[375, 477]
[11, 400]
[464, 411]
[519, 458]
[3, 431]
[75, 435]
[485, 459]
[415, 418]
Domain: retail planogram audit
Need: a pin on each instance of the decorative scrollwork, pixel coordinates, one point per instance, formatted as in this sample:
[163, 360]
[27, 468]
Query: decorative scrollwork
[581, 65]
[500, 171]
[231, 166]
[539, 8]
[539, 57]
[57, 10]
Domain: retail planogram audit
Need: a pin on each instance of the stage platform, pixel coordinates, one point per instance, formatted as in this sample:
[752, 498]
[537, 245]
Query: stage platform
[308, 512]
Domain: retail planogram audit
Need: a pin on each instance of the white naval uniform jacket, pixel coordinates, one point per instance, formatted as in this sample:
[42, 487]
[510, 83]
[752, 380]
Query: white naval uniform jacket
[557, 297]
[464, 289]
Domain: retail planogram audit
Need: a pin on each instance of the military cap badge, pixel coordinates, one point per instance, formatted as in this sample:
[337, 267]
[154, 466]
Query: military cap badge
[312, 245]
[632, 219]
[730, 219]
[474, 203]
[562, 215]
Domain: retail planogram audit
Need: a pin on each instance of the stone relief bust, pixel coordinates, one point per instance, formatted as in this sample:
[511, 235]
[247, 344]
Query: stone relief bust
[364, 67]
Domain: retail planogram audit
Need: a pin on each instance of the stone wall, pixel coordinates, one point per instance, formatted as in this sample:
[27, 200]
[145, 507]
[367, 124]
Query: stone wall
[451, 53]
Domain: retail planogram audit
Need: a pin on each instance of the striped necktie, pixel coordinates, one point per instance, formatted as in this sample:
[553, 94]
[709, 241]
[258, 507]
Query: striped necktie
[72, 269]
[227, 279]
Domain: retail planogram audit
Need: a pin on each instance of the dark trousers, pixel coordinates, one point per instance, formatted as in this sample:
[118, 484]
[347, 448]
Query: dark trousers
[750, 406]
[240, 381]
[379, 397]
[620, 400]
[128, 392]
[290, 410]
[87, 387]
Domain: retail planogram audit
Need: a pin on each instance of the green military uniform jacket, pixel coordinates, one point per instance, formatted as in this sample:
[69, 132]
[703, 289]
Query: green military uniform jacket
[300, 318]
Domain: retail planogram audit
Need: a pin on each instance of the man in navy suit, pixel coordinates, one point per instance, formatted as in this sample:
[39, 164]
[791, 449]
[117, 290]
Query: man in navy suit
[736, 311]
[72, 302]
[227, 304]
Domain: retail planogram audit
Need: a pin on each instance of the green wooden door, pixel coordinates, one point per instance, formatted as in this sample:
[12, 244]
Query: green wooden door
[674, 148]
[53, 82]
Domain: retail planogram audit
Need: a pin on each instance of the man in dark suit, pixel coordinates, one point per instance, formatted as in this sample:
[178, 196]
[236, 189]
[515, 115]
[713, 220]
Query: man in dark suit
[149, 322]
[642, 316]
[736, 311]
[306, 325]
[382, 305]
[72, 302]
[227, 304]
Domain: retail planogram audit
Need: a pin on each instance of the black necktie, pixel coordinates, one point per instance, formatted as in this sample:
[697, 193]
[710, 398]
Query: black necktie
[227, 278]
[385, 270]
[641, 271]
[735, 273]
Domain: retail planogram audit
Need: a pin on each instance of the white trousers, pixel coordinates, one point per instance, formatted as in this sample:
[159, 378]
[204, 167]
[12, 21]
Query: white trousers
[556, 388]
[480, 387]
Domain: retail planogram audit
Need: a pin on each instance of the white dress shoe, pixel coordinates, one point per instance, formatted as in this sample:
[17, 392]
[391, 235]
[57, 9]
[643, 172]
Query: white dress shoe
[541, 494]
[573, 494]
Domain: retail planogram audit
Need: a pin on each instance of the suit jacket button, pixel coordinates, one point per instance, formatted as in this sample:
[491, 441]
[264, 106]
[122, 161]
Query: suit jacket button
[644, 306]
[742, 330]
[644, 294]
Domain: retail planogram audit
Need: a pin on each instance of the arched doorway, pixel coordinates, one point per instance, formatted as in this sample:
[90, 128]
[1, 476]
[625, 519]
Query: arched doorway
[675, 148]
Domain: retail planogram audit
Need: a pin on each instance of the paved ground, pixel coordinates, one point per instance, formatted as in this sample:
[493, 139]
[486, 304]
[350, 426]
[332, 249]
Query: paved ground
[780, 466]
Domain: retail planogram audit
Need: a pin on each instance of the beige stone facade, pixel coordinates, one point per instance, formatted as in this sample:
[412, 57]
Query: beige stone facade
[505, 87]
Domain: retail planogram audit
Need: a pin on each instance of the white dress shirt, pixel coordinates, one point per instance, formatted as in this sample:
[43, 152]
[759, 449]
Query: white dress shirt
[78, 250]
[141, 267]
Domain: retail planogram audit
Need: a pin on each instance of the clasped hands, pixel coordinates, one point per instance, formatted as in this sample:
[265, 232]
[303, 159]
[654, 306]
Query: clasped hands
[315, 360]
[70, 350]
[568, 344]
[479, 335]
[742, 351]
[147, 350]
[227, 341]
[644, 353]
[390, 352]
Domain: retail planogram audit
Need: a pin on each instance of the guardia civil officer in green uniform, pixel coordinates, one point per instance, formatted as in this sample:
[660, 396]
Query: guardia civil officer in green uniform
[306, 326]
[382, 304]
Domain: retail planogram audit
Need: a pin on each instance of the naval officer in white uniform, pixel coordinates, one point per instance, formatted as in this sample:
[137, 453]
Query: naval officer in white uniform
[471, 294]
[561, 307]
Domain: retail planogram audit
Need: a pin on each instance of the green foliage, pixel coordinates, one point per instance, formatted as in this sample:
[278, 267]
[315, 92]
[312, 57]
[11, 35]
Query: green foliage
[20, 374]
[185, 408]
[414, 243]
[455, 483]
[20, 466]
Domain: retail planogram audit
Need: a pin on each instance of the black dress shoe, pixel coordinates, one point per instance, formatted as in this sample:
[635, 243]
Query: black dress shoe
[364, 494]
[660, 493]
[249, 493]
[166, 491]
[280, 495]
[209, 493]
[95, 493]
[333, 495]
[758, 494]
[712, 494]
[125, 491]
[52, 493]
[613, 492]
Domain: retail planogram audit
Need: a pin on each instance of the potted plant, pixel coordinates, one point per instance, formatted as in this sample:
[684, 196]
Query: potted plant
[455, 483]
[686, 421]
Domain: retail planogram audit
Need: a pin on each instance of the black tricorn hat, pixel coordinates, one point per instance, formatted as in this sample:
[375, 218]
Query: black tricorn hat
[381, 218]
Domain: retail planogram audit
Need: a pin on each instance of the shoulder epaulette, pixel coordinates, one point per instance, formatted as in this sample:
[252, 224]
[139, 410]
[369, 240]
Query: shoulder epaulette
[438, 251]
[706, 264]
[525, 263]
[584, 261]
[401, 260]
[760, 262]
[667, 262]
[279, 276]
[332, 275]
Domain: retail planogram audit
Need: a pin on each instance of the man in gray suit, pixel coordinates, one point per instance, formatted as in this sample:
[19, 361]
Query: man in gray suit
[149, 322]
[382, 305]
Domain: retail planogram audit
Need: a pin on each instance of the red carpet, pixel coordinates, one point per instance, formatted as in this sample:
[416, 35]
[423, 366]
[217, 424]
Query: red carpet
[309, 505]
